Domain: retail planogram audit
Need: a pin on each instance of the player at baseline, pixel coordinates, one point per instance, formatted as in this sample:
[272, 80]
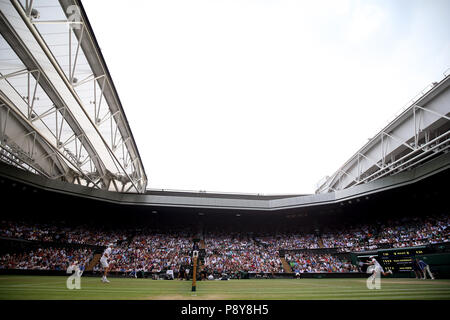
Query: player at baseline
[377, 270]
[377, 267]
[104, 262]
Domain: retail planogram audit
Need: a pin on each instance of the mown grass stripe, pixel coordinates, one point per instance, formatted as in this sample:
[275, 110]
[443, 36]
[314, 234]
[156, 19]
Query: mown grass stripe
[49, 288]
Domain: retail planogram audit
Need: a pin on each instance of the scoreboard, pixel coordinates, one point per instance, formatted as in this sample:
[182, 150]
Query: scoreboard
[399, 259]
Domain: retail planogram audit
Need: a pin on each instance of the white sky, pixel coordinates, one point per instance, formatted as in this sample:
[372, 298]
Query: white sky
[264, 96]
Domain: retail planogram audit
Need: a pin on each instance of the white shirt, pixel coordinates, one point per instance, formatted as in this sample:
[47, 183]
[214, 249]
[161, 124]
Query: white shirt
[107, 253]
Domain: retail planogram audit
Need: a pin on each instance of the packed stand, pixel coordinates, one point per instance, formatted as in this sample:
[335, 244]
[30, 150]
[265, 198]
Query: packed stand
[405, 232]
[352, 239]
[46, 259]
[415, 232]
[53, 233]
[310, 262]
[289, 241]
[235, 253]
[152, 252]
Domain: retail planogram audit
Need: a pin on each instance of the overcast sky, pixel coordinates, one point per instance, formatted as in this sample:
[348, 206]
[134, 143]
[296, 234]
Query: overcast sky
[264, 96]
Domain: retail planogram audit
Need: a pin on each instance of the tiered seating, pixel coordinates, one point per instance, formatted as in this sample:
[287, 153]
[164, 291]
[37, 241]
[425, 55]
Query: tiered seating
[155, 250]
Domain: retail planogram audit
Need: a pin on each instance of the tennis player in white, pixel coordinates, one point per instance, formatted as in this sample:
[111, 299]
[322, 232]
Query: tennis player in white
[373, 282]
[104, 262]
[377, 266]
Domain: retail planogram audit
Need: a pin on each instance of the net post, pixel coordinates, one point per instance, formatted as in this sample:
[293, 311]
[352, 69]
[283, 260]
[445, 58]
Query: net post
[194, 272]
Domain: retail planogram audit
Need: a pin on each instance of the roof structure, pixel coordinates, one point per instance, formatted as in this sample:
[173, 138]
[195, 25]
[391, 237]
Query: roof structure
[60, 114]
[419, 133]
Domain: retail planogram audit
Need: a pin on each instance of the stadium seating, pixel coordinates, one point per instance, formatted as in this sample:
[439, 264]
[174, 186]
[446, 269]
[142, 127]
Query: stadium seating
[149, 250]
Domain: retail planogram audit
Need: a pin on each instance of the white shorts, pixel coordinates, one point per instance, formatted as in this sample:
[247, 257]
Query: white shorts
[104, 262]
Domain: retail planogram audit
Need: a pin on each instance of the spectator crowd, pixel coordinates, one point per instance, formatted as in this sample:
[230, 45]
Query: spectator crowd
[155, 250]
[46, 259]
[393, 233]
[311, 262]
[58, 233]
[234, 253]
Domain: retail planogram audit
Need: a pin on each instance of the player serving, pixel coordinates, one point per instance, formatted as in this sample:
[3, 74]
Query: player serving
[104, 261]
[377, 267]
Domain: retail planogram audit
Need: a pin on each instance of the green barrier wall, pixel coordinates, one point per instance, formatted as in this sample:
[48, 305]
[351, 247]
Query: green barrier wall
[439, 264]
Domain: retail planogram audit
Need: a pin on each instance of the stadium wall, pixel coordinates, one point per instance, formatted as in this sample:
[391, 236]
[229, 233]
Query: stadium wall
[439, 264]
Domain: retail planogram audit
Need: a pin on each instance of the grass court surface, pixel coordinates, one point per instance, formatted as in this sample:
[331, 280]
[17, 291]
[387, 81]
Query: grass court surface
[54, 287]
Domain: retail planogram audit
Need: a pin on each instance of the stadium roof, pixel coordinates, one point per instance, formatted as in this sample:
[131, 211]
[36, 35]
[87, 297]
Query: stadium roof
[61, 115]
[437, 168]
[420, 132]
[203, 194]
